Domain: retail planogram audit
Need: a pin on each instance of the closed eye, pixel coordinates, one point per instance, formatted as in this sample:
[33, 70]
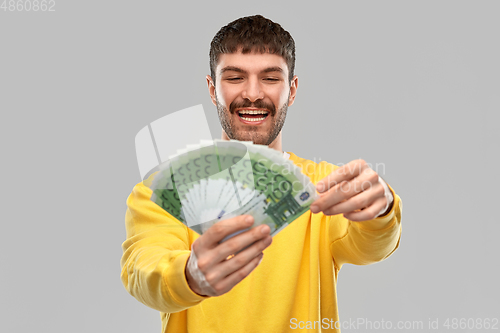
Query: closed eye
[239, 78]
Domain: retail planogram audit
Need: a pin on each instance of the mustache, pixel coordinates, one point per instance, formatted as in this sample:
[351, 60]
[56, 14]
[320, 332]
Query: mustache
[259, 104]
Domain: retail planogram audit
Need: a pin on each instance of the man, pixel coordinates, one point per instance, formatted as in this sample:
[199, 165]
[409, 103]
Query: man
[197, 283]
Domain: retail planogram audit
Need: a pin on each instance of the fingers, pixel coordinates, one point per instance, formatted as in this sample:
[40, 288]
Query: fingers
[344, 173]
[369, 213]
[222, 275]
[207, 247]
[241, 241]
[220, 230]
[245, 256]
[224, 285]
[357, 202]
[346, 190]
[228, 267]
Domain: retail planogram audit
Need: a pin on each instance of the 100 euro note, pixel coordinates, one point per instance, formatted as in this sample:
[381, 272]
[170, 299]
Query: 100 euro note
[203, 185]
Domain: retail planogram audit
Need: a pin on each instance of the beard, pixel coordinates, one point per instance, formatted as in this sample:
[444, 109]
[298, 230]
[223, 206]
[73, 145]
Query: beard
[251, 133]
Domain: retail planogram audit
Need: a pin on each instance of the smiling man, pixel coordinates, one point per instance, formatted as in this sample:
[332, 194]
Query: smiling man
[258, 92]
[198, 283]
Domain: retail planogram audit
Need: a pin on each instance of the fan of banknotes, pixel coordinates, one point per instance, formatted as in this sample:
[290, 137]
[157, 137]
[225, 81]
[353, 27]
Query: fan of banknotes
[216, 180]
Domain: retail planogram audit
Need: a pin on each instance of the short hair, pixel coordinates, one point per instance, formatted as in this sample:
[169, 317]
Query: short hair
[253, 34]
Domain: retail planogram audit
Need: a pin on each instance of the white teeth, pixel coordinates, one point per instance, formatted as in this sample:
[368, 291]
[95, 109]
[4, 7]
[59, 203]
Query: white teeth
[253, 119]
[252, 112]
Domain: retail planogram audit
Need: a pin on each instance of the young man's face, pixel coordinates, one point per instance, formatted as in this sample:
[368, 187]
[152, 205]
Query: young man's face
[252, 95]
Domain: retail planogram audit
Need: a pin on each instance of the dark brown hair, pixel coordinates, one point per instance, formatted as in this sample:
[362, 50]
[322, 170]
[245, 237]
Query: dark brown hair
[253, 33]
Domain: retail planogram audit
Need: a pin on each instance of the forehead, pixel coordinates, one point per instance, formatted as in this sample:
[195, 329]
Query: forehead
[251, 62]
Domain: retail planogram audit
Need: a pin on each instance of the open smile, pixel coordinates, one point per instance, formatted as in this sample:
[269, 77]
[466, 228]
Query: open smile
[252, 116]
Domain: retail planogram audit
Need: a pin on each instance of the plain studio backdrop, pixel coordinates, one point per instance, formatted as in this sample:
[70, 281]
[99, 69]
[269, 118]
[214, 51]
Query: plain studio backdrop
[411, 87]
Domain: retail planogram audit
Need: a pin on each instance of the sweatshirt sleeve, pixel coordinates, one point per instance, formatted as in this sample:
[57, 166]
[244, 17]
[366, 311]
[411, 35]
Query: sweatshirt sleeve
[155, 255]
[367, 242]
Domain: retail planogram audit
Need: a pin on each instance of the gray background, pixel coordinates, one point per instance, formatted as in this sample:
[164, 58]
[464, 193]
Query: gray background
[412, 85]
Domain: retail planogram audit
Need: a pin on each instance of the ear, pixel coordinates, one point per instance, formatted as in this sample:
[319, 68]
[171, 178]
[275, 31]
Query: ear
[211, 89]
[294, 84]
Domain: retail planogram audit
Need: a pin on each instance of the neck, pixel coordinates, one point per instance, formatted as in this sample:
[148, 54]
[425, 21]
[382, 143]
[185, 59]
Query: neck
[276, 144]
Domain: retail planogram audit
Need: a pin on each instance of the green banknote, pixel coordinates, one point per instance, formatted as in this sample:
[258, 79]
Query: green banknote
[217, 180]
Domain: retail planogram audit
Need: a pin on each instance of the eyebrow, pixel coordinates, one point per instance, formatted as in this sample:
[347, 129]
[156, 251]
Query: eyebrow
[239, 70]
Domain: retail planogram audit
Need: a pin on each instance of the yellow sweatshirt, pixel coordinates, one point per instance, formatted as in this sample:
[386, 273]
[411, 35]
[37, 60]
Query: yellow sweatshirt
[292, 290]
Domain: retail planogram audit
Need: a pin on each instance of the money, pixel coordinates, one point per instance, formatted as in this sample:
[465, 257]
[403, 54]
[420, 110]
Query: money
[216, 180]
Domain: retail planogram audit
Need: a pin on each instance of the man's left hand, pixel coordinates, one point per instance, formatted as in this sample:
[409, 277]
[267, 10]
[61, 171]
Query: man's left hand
[354, 190]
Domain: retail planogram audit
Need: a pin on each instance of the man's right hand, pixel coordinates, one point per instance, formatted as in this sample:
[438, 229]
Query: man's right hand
[222, 274]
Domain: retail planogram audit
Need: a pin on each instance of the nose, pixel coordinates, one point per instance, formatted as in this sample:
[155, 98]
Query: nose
[252, 90]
